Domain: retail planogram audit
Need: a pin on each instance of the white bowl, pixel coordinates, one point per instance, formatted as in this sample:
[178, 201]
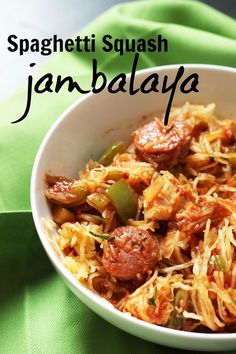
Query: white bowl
[81, 133]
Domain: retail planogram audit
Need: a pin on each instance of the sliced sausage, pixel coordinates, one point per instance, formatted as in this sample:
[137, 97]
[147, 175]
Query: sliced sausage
[132, 251]
[164, 145]
[64, 191]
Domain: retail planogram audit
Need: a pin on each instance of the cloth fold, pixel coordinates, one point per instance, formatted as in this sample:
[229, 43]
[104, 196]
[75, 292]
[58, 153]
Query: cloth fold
[38, 313]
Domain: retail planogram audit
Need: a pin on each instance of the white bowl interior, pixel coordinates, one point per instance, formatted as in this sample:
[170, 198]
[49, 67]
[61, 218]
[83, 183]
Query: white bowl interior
[88, 127]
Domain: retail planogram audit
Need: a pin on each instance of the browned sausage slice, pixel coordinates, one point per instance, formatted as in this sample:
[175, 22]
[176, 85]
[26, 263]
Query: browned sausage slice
[165, 145]
[132, 251]
[64, 191]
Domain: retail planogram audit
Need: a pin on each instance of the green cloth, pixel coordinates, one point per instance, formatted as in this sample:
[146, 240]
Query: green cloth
[38, 313]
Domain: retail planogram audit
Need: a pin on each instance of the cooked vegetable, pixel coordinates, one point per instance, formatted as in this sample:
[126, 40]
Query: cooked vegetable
[218, 262]
[175, 320]
[124, 199]
[62, 215]
[178, 297]
[104, 237]
[96, 219]
[152, 300]
[232, 160]
[98, 201]
[164, 197]
[80, 193]
[117, 147]
[115, 175]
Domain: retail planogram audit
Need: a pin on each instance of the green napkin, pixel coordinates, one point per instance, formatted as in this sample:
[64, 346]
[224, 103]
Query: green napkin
[38, 313]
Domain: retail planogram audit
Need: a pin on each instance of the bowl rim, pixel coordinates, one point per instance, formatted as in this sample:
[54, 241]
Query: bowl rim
[98, 300]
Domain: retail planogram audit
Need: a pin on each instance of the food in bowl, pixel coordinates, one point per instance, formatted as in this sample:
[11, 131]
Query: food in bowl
[151, 227]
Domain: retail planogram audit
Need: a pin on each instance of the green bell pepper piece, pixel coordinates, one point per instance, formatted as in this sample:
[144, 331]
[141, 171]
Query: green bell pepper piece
[124, 199]
[117, 147]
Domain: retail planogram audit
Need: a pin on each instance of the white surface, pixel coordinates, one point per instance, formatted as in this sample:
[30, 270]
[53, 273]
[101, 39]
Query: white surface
[70, 143]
